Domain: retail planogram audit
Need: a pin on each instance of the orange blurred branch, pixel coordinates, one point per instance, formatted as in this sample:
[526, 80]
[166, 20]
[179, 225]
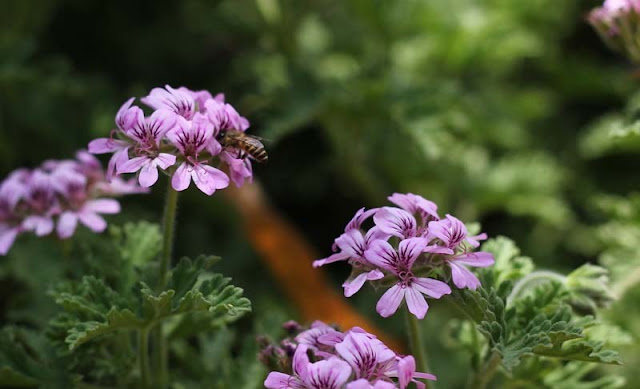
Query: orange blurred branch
[287, 254]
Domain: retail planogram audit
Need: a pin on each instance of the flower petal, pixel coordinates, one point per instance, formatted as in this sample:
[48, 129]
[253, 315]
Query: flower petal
[430, 287]
[181, 177]
[352, 242]
[148, 175]
[301, 361]
[164, 160]
[117, 159]
[410, 249]
[360, 216]
[478, 259]
[354, 285]
[93, 221]
[208, 178]
[7, 237]
[462, 277]
[67, 224]
[109, 206]
[361, 384]
[106, 145]
[331, 373]
[40, 225]
[330, 259]
[277, 380]
[390, 301]
[396, 222]
[416, 302]
[381, 254]
[406, 369]
[133, 165]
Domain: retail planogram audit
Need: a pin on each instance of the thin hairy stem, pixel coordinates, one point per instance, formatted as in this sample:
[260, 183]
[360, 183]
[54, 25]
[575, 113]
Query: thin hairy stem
[416, 344]
[143, 358]
[161, 354]
[486, 372]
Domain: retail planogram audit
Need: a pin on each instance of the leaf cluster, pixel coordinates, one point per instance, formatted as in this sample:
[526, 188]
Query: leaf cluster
[536, 321]
[93, 336]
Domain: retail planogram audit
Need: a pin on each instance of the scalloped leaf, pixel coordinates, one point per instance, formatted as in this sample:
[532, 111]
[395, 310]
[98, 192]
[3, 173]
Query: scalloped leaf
[140, 242]
[27, 360]
[116, 320]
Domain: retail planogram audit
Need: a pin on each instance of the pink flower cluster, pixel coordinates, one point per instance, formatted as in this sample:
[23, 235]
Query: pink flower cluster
[324, 358]
[58, 195]
[618, 24]
[180, 135]
[405, 249]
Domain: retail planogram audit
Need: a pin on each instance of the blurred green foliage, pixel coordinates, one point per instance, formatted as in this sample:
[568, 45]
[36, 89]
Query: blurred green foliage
[492, 108]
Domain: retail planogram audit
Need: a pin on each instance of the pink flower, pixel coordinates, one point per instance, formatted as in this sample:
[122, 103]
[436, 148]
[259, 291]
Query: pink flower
[12, 190]
[125, 117]
[396, 222]
[406, 372]
[408, 286]
[42, 203]
[451, 235]
[428, 210]
[331, 373]
[89, 215]
[367, 356]
[179, 101]
[191, 138]
[365, 384]
[148, 133]
[354, 359]
[352, 245]
[224, 116]
[240, 168]
[63, 192]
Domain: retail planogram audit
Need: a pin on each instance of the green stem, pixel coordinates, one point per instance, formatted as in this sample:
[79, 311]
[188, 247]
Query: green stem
[168, 227]
[416, 344]
[143, 357]
[161, 354]
[484, 375]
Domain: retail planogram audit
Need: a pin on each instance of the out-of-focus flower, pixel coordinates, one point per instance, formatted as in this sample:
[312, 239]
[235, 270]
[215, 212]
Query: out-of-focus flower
[353, 359]
[407, 248]
[58, 195]
[180, 137]
[618, 24]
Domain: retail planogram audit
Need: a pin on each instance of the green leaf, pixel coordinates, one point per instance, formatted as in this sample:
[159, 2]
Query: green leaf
[139, 242]
[509, 264]
[28, 360]
[115, 320]
[551, 334]
[186, 273]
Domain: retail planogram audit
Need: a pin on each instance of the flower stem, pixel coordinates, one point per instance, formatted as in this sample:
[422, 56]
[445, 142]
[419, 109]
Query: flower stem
[168, 227]
[416, 344]
[161, 355]
[484, 375]
[143, 357]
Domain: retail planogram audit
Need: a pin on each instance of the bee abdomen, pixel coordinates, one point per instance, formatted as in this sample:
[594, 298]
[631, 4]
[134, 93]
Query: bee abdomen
[259, 154]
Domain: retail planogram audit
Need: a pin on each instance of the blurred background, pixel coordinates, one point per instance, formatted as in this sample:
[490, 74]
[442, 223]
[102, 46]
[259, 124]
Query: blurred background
[497, 110]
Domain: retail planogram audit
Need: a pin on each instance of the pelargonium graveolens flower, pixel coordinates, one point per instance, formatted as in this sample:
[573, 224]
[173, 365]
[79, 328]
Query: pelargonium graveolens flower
[405, 250]
[617, 23]
[341, 360]
[58, 195]
[179, 138]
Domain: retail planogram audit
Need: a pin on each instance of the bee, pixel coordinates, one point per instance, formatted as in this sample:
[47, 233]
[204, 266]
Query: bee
[247, 145]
